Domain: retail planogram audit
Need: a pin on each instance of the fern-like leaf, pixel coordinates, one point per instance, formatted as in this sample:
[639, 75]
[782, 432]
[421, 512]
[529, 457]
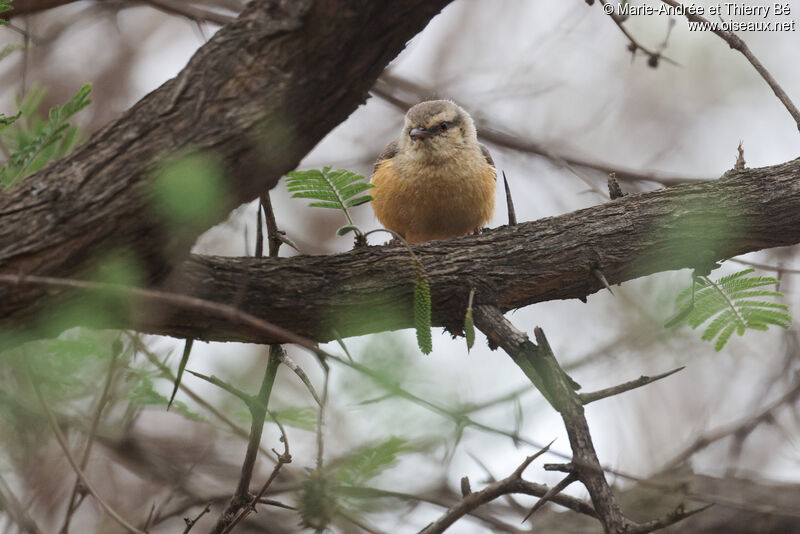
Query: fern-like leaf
[367, 463]
[46, 140]
[338, 189]
[730, 305]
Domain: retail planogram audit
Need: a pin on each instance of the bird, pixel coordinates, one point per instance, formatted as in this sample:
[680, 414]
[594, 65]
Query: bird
[435, 180]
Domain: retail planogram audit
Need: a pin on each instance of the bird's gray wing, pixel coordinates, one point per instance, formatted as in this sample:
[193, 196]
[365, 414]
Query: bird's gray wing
[485, 152]
[388, 153]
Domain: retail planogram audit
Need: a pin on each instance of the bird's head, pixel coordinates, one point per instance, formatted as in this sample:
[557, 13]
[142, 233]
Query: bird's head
[437, 129]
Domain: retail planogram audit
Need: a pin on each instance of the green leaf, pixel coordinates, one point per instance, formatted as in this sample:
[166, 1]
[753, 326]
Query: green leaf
[720, 322]
[144, 394]
[733, 303]
[724, 336]
[338, 189]
[346, 229]
[358, 201]
[369, 462]
[37, 142]
[331, 205]
[680, 316]
[187, 191]
[302, 418]
[9, 49]
[469, 329]
[5, 5]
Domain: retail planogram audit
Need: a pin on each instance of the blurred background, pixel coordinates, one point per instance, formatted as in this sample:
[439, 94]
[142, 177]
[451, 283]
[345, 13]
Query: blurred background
[556, 76]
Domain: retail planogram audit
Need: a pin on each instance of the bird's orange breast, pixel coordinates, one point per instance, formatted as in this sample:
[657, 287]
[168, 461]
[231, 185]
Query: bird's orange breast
[434, 201]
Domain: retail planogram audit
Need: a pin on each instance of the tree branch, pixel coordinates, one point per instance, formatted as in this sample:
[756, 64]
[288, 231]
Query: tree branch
[370, 289]
[736, 42]
[256, 97]
[389, 86]
[559, 392]
[513, 483]
[586, 398]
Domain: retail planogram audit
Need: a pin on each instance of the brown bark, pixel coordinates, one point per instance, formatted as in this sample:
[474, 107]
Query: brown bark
[258, 96]
[28, 7]
[370, 289]
[742, 506]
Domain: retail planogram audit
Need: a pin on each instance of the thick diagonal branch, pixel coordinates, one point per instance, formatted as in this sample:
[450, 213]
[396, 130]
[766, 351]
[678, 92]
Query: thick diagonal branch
[257, 97]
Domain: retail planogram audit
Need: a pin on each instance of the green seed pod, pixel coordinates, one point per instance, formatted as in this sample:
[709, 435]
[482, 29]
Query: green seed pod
[469, 329]
[422, 310]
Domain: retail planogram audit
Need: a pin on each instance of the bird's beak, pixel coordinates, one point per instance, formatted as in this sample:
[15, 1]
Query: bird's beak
[419, 133]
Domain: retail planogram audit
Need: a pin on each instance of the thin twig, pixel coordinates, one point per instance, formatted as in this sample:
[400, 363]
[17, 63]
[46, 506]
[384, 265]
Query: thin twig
[491, 479]
[273, 233]
[511, 484]
[230, 313]
[360, 524]
[586, 398]
[296, 369]
[284, 458]
[736, 42]
[258, 412]
[192, 522]
[238, 393]
[493, 135]
[259, 251]
[748, 424]
[765, 266]
[167, 373]
[72, 504]
[16, 510]
[539, 364]
[679, 514]
[653, 57]
[62, 442]
[191, 12]
[321, 421]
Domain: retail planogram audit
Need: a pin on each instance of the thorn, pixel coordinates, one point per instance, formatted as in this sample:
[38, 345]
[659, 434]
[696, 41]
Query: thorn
[187, 349]
[512, 214]
[524, 465]
[740, 162]
[552, 492]
[601, 277]
[564, 468]
[465, 487]
[286, 241]
[614, 190]
[586, 398]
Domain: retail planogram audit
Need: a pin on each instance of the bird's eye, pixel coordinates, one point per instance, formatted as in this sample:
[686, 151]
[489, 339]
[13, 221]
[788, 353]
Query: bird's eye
[443, 126]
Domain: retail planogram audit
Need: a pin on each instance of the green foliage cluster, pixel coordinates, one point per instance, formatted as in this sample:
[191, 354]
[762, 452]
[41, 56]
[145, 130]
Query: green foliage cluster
[33, 141]
[733, 303]
[70, 371]
[5, 5]
[188, 192]
[339, 489]
[340, 190]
